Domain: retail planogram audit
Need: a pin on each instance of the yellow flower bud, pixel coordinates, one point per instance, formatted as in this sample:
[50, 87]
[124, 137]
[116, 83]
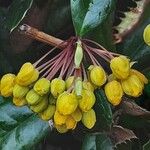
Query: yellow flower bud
[70, 122]
[111, 77]
[7, 84]
[20, 91]
[87, 101]
[27, 75]
[88, 86]
[120, 67]
[89, 118]
[97, 75]
[77, 115]
[48, 113]
[114, 92]
[69, 82]
[59, 119]
[57, 87]
[132, 86]
[140, 75]
[66, 103]
[41, 106]
[146, 35]
[32, 97]
[61, 128]
[42, 86]
[19, 101]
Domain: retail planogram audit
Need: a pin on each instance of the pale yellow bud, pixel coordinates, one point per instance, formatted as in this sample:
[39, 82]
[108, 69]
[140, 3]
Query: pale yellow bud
[88, 86]
[114, 92]
[140, 75]
[27, 75]
[57, 87]
[132, 86]
[20, 91]
[97, 75]
[19, 101]
[48, 113]
[89, 118]
[59, 119]
[7, 84]
[69, 82]
[77, 115]
[42, 86]
[66, 103]
[32, 97]
[120, 67]
[70, 122]
[87, 101]
[61, 128]
[41, 106]
[146, 35]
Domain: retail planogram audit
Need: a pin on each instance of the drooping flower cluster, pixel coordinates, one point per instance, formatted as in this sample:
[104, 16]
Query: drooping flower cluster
[62, 88]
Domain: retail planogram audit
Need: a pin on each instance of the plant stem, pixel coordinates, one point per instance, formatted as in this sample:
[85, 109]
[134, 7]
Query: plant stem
[41, 36]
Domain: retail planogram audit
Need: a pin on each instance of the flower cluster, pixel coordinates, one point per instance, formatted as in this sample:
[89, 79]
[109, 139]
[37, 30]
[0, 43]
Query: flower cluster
[123, 80]
[62, 88]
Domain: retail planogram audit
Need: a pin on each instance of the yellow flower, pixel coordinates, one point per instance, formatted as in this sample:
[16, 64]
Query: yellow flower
[27, 75]
[20, 91]
[132, 86]
[140, 75]
[7, 84]
[41, 106]
[146, 35]
[66, 103]
[42, 86]
[114, 92]
[70, 122]
[57, 87]
[120, 67]
[88, 86]
[59, 119]
[19, 101]
[69, 82]
[89, 118]
[87, 101]
[48, 113]
[77, 115]
[32, 97]
[97, 75]
[61, 128]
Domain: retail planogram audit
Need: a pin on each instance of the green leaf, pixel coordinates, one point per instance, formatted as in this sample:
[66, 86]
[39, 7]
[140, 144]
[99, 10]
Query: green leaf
[16, 13]
[20, 129]
[103, 109]
[146, 146]
[89, 14]
[98, 141]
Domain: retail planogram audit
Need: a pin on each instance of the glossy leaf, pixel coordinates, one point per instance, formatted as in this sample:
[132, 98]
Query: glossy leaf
[89, 14]
[146, 146]
[103, 109]
[97, 142]
[19, 128]
[16, 13]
